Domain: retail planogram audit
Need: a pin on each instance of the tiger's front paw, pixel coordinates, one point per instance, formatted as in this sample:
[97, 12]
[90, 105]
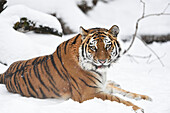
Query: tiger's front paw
[138, 96]
[145, 97]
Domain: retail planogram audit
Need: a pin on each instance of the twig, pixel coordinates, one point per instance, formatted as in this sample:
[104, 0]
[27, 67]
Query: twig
[143, 14]
[153, 52]
[156, 59]
[3, 63]
[143, 57]
[142, 17]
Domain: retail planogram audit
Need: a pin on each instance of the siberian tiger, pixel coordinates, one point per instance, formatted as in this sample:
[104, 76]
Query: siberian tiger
[76, 70]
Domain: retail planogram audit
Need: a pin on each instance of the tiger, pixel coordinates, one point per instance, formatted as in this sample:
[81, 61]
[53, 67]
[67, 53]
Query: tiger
[76, 70]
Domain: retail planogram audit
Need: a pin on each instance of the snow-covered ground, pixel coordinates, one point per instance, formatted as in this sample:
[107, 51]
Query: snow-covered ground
[139, 75]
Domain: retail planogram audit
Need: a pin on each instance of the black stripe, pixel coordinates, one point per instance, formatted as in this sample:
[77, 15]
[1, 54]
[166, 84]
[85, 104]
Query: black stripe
[117, 99]
[115, 48]
[29, 83]
[85, 51]
[45, 65]
[35, 61]
[118, 46]
[11, 74]
[20, 88]
[65, 46]
[55, 92]
[74, 42]
[59, 53]
[67, 74]
[17, 85]
[95, 78]
[101, 33]
[88, 84]
[12, 87]
[55, 67]
[1, 78]
[77, 91]
[51, 80]
[59, 56]
[43, 95]
[9, 69]
[47, 69]
[8, 86]
[15, 81]
[91, 80]
[94, 35]
[13, 67]
[27, 87]
[36, 72]
[18, 66]
[82, 50]
[75, 82]
[88, 40]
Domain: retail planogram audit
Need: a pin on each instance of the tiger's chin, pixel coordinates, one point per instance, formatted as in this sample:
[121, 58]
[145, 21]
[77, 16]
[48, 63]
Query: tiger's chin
[94, 67]
[102, 66]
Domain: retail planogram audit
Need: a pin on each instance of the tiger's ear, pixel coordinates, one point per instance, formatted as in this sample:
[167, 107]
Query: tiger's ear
[83, 32]
[114, 30]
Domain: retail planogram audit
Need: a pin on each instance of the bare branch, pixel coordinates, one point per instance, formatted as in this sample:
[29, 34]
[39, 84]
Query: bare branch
[156, 59]
[143, 17]
[166, 8]
[143, 14]
[142, 57]
[153, 52]
[3, 63]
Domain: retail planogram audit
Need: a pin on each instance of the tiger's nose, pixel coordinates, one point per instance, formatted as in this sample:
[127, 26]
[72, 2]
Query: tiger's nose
[102, 61]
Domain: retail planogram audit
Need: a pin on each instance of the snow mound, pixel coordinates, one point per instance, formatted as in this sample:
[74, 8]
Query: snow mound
[19, 46]
[14, 13]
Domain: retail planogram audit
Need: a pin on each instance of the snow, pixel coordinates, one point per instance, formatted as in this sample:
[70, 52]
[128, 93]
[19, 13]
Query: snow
[17, 11]
[124, 13]
[139, 75]
[19, 46]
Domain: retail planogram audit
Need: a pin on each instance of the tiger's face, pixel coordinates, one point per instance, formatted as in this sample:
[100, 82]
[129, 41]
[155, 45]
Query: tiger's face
[99, 48]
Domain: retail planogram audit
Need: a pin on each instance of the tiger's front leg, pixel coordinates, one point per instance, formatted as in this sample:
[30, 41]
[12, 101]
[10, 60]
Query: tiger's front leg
[106, 96]
[111, 88]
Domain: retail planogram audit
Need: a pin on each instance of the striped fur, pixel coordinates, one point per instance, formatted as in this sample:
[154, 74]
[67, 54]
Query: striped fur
[76, 70]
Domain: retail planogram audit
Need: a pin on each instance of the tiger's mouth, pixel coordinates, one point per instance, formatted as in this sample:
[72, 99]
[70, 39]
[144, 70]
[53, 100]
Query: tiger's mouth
[102, 66]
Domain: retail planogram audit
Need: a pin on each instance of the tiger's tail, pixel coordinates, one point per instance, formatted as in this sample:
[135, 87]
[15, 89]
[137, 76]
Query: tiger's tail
[2, 79]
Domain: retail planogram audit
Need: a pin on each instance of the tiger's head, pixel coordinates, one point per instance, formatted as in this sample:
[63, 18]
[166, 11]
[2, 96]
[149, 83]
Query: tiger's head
[99, 48]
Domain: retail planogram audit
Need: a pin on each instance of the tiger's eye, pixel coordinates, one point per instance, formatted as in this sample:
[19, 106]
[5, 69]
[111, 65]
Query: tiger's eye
[108, 46]
[93, 48]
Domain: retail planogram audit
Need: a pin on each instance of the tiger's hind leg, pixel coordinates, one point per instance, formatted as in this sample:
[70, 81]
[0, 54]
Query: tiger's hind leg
[111, 88]
[106, 96]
